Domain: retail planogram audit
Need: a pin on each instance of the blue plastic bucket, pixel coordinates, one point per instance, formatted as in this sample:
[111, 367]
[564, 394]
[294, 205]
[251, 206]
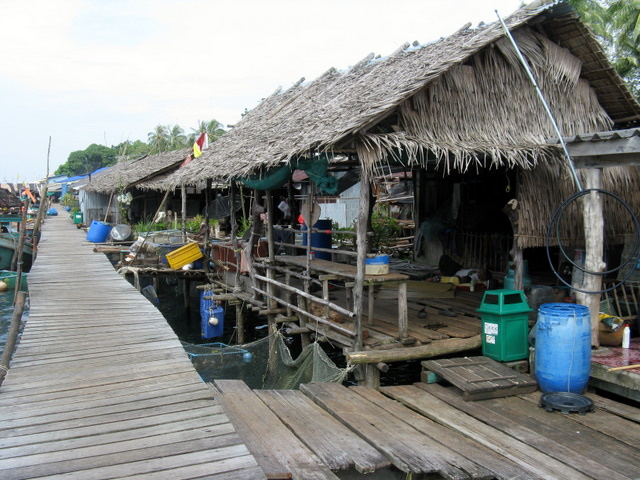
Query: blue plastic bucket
[98, 232]
[563, 347]
[319, 239]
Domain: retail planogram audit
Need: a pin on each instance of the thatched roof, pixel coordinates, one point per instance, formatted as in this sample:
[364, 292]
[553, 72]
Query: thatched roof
[458, 103]
[8, 200]
[133, 173]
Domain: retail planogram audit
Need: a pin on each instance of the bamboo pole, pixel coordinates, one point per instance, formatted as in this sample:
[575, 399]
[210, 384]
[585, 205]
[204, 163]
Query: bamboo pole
[320, 320]
[308, 296]
[626, 367]
[12, 335]
[441, 347]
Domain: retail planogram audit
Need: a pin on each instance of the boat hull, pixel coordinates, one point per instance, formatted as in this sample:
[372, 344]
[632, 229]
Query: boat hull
[8, 244]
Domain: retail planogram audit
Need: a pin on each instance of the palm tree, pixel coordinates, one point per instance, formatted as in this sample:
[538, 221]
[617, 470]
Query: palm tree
[617, 24]
[177, 138]
[213, 128]
[159, 139]
[624, 16]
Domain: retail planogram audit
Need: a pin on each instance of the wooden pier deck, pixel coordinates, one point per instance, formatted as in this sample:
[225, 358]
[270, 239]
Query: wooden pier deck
[428, 431]
[100, 386]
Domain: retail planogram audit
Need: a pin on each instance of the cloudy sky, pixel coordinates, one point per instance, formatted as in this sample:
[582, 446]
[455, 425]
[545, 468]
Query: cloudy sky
[107, 71]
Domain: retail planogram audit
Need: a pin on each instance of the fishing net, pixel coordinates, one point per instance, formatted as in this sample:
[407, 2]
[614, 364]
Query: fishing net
[264, 364]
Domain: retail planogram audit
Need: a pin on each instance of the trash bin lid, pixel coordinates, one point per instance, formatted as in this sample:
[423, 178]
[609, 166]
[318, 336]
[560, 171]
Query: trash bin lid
[566, 402]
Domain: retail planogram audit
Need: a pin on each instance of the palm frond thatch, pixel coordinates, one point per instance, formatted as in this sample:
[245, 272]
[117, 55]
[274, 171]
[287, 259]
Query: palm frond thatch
[463, 100]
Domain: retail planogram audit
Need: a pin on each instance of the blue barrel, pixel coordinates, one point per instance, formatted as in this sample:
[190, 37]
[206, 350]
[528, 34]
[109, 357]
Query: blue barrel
[211, 316]
[98, 232]
[320, 239]
[563, 347]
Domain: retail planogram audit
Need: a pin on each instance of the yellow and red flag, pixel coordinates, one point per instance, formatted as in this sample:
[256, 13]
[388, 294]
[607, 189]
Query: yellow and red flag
[202, 143]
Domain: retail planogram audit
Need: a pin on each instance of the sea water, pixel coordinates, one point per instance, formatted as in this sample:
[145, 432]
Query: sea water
[6, 313]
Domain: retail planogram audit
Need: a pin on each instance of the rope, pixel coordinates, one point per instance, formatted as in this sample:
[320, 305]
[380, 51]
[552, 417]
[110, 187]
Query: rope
[555, 220]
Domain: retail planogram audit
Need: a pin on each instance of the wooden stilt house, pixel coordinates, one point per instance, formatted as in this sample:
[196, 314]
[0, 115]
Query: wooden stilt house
[462, 114]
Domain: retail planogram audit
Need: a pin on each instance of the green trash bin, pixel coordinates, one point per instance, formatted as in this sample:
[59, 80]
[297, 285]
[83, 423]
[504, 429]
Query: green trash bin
[505, 325]
[77, 218]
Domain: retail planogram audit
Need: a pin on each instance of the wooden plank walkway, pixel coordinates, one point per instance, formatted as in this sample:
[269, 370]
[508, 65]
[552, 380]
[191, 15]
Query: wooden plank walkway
[430, 431]
[100, 386]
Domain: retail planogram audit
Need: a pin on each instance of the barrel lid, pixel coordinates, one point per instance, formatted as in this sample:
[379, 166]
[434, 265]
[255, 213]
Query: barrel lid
[566, 402]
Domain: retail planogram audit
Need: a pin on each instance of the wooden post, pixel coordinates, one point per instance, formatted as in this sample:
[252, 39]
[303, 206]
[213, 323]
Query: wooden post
[12, 335]
[207, 199]
[361, 247]
[240, 322]
[183, 207]
[16, 260]
[594, 248]
[39, 219]
[234, 232]
[272, 257]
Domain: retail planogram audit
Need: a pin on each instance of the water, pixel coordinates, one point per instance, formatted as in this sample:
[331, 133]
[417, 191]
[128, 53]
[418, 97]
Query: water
[6, 312]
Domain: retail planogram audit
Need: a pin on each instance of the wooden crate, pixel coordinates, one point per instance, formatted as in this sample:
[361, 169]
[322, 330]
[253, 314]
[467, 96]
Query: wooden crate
[480, 378]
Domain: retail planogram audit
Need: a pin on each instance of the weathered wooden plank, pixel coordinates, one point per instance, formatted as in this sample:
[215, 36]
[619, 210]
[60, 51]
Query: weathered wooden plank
[276, 449]
[498, 466]
[337, 446]
[100, 386]
[551, 433]
[512, 448]
[600, 426]
[408, 449]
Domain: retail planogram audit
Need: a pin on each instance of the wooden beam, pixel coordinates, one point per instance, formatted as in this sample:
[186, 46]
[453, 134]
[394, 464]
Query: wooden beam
[441, 347]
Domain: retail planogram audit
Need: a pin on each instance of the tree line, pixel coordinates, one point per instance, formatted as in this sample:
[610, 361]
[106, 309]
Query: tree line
[164, 138]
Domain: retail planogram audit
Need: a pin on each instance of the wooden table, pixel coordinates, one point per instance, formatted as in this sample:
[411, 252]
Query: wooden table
[345, 271]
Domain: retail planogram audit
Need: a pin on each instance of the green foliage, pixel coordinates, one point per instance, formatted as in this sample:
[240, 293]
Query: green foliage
[617, 24]
[69, 200]
[83, 162]
[193, 225]
[212, 127]
[145, 226]
[244, 224]
[384, 227]
[344, 240]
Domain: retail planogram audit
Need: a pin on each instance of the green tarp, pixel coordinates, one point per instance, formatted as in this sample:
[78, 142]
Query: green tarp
[316, 168]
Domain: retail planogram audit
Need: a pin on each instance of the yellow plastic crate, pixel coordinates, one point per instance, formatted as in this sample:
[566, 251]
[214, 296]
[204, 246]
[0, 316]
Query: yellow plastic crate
[184, 255]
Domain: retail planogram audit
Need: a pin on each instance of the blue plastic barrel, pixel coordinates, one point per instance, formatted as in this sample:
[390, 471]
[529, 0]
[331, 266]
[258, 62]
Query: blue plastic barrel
[211, 316]
[98, 232]
[563, 347]
[319, 239]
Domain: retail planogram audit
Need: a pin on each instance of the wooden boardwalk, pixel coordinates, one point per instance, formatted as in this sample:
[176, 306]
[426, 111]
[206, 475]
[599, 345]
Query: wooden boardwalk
[100, 386]
[428, 431]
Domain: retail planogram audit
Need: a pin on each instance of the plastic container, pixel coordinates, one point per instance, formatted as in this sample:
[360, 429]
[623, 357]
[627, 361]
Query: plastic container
[505, 325]
[211, 316]
[626, 337]
[77, 218]
[319, 239]
[563, 347]
[377, 265]
[509, 278]
[98, 232]
[184, 255]
[121, 232]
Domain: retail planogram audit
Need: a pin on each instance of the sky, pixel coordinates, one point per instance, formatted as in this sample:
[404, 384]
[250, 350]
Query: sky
[80, 72]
